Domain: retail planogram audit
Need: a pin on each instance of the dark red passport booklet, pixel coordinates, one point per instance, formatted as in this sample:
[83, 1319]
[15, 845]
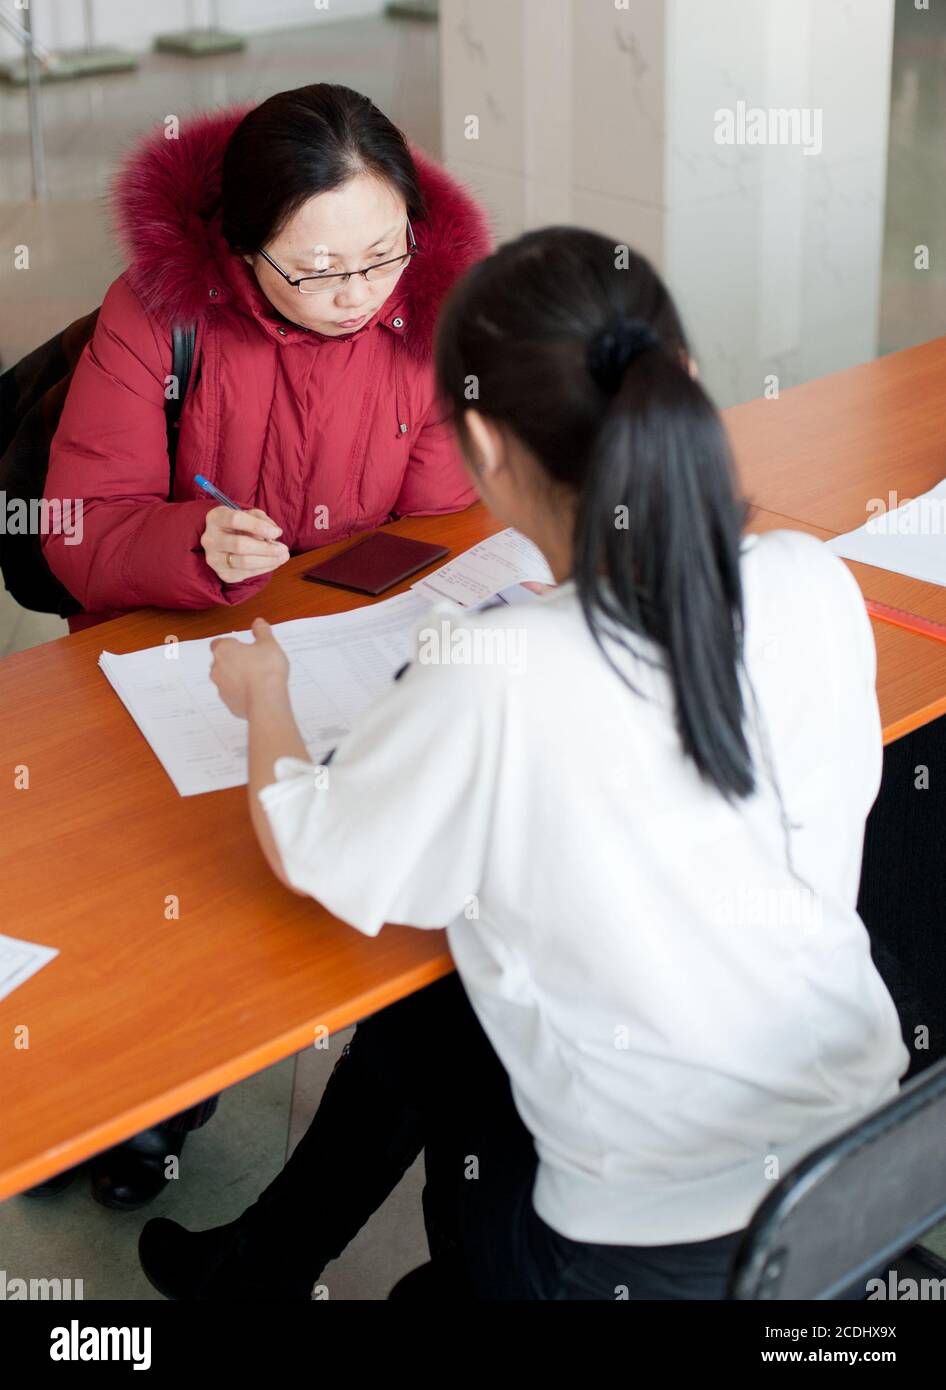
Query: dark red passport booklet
[375, 563]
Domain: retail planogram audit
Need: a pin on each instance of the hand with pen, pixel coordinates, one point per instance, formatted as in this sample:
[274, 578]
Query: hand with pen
[242, 546]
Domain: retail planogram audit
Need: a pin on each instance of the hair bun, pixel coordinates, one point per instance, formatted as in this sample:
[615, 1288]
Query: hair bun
[614, 347]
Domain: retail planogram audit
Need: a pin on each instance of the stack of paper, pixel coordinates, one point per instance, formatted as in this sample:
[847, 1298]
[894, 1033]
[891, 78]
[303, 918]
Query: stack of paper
[495, 566]
[338, 665]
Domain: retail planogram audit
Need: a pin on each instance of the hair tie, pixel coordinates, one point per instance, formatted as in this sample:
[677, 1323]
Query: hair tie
[615, 346]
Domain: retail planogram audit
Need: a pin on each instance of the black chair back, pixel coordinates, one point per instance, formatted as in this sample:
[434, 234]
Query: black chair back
[853, 1205]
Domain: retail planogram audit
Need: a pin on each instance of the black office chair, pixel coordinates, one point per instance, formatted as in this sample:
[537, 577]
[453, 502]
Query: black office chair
[855, 1206]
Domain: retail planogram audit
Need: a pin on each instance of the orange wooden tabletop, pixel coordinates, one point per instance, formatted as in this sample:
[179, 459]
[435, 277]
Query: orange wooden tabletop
[139, 1016]
[822, 450]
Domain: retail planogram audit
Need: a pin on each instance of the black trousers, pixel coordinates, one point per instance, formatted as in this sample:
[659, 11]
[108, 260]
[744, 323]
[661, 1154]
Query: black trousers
[902, 897]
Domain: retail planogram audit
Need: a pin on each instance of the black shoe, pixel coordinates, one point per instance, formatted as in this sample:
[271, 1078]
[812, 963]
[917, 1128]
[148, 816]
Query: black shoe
[219, 1264]
[53, 1186]
[132, 1174]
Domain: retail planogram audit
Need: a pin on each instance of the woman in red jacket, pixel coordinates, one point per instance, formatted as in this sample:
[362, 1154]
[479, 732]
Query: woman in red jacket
[310, 246]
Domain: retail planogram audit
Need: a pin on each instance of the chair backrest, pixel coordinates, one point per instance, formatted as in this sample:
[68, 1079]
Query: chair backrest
[854, 1203]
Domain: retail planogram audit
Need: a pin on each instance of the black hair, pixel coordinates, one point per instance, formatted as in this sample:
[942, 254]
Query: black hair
[303, 142]
[531, 326]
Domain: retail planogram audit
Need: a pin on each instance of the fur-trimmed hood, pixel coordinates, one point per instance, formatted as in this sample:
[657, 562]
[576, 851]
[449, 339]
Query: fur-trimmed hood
[165, 199]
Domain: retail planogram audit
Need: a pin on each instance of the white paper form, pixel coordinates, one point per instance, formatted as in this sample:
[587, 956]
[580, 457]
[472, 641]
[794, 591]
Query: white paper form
[909, 540]
[486, 569]
[19, 960]
[338, 665]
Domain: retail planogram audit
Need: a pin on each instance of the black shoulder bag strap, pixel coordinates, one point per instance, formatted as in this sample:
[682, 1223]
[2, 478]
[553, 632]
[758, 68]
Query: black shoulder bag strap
[182, 362]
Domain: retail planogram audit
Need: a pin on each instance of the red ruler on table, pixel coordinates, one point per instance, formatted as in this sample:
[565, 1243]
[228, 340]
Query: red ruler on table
[899, 617]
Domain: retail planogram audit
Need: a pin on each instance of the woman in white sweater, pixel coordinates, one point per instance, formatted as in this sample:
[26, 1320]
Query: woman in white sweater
[643, 833]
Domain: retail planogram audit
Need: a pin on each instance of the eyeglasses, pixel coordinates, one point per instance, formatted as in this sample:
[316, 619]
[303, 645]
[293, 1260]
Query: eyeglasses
[326, 283]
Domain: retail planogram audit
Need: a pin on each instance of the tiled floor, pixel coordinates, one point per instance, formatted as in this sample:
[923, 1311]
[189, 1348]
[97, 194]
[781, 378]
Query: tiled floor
[72, 260]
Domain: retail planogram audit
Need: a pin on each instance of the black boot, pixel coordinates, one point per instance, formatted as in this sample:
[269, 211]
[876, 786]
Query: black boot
[132, 1174]
[361, 1141]
[221, 1264]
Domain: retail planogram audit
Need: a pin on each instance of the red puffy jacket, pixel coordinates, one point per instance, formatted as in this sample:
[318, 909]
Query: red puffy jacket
[302, 425]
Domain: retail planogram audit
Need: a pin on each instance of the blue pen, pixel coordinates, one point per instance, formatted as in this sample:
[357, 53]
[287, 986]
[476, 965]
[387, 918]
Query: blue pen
[201, 481]
[215, 492]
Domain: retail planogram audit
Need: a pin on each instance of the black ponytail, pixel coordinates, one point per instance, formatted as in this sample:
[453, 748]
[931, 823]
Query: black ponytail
[575, 345]
[656, 550]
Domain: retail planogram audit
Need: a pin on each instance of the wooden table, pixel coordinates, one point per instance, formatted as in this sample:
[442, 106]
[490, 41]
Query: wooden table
[139, 1016]
[820, 452]
[822, 449]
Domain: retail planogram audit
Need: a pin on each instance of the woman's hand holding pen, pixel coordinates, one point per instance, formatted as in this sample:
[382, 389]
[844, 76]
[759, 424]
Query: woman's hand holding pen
[242, 671]
[240, 545]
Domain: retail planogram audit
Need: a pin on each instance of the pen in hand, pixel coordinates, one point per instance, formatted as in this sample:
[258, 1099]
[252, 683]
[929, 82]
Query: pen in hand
[235, 553]
[221, 497]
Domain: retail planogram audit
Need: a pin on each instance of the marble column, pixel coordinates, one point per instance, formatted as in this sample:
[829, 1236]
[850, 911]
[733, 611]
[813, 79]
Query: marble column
[605, 114]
